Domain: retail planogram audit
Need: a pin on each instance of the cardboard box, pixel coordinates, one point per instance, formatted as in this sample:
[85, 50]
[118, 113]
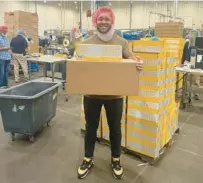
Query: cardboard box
[23, 20]
[99, 52]
[102, 78]
[169, 29]
[22, 16]
[8, 17]
[34, 48]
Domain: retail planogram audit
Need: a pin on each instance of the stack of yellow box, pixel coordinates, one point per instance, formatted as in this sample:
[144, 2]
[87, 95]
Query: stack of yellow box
[146, 114]
[174, 48]
[149, 125]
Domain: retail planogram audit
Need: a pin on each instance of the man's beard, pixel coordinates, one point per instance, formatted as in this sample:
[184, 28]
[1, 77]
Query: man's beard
[104, 29]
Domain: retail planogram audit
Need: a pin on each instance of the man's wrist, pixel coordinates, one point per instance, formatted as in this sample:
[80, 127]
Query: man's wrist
[6, 48]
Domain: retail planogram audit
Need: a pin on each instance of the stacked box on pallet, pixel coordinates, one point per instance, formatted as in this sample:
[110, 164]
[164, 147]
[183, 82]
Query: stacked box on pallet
[151, 117]
[169, 29]
[83, 122]
[170, 87]
[144, 127]
[23, 20]
[174, 48]
[146, 123]
[155, 108]
[105, 127]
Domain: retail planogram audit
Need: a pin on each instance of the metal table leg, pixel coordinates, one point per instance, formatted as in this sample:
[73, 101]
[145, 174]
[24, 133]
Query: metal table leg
[184, 92]
[190, 85]
[44, 74]
[177, 86]
[29, 71]
[52, 71]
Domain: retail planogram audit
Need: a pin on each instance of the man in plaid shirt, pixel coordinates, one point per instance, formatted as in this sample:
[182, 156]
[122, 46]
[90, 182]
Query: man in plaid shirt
[5, 57]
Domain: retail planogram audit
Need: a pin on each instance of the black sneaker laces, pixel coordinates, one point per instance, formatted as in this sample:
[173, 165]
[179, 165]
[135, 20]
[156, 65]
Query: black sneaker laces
[116, 165]
[85, 164]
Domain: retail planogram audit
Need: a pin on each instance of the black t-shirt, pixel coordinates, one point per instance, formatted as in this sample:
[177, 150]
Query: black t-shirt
[186, 53]
[19, 44]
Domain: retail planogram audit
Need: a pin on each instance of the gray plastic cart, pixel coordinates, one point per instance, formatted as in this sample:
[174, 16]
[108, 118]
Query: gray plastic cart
[28, 107]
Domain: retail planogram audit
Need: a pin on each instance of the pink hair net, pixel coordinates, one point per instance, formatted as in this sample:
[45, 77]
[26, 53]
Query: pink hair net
[3, 27]
[101, 10]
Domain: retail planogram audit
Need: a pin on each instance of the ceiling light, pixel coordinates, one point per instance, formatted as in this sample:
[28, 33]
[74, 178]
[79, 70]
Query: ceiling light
[45, 1]
[59, 4]
[75, 2]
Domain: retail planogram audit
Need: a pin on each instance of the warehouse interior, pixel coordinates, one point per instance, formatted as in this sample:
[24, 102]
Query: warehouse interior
[161, 126]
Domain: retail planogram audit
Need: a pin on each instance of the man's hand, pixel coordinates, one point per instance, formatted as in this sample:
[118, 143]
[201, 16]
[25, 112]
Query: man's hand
[139, 63]
[12, 56]
[4, 48]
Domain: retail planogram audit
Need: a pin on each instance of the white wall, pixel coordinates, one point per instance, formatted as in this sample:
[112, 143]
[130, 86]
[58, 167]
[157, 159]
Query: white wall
[50, 13]
[190, 11]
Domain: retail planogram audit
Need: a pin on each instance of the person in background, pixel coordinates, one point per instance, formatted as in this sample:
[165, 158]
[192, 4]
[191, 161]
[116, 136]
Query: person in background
[186, 58]
[44, 41]
[29, 41]
[5, 57]
[103, 20]
[186, 50]
[18, 46]
[50, 39]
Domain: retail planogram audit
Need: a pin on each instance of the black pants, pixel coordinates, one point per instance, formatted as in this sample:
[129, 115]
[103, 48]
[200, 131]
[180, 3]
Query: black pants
[114, 110]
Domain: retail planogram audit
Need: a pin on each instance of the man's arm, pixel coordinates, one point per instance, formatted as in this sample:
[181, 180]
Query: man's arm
[11, 43]
[26, 44]
[4, 48]
[127, 53]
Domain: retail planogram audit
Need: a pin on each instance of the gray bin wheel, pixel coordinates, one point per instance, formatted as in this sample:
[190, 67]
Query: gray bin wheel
[31, 138]
[13, 136]
[48, 124]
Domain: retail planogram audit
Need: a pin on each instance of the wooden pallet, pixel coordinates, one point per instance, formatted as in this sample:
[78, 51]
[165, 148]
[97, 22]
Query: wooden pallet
[151, 160]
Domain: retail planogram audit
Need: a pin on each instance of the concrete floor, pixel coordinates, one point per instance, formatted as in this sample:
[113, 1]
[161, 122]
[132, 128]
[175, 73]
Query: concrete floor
[58, 150]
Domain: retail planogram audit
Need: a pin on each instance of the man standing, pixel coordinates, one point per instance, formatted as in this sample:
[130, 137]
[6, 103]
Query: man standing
[5, 57]
[29, 42]
[18, 47]
[103, 20]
